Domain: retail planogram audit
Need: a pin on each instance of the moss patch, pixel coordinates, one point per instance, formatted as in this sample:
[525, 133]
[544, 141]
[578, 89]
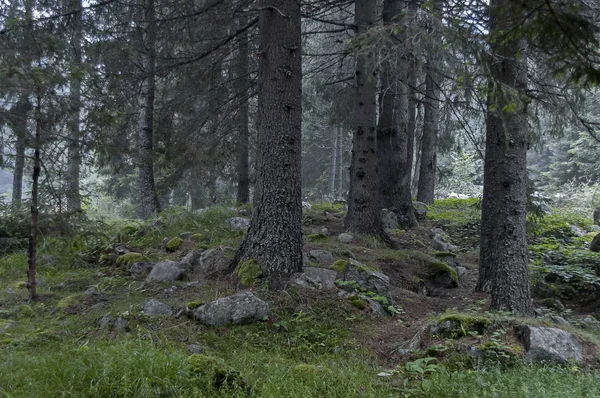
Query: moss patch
[462, 324]
[128, 259]
[195, 304]
[339, 266]
[174, 244]
[67, 302]
[358, 303]
[248, 272]
[315, 238]
[436, 269]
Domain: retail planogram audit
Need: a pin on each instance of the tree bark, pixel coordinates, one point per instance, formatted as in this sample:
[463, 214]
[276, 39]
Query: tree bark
[394, 131]
[340, 162]
[274, 239]
[504, 258]
[18, 123]
[74, 149]
[148, 197]
[333, 167]
[243, 167]
[364, 203]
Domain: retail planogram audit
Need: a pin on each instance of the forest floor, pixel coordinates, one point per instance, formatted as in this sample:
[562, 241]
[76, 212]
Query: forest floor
[87, 337]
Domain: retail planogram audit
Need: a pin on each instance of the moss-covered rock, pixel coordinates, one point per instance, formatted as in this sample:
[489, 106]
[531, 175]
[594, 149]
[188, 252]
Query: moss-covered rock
[248, 272]
[128, 259]
[198, 237]
[174, 244]
[217, 373]
[358, 303]
[339, 266]
[195, 304]
[106, 259]
[68, 302]
[441, 274]
[456, 325]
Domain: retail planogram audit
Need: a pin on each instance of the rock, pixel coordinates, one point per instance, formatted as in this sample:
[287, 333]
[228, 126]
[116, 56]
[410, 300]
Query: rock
[324, 231]
[121, 250]
[389, 219]
[91, 291]
[212, 262]
[154, 308]
[420, 210]
[322, 256]
[578, 232]
[544, 208]
[550, 344]
[140, 270]
[306, 204]
[441, 244]
[345, 237]
[165, 270]
[595, 245]
[447, 258]
[120, 324]
[460, 271]
[174, 244]
[240, 308]
[305, 260]
[597, 216]
[191, 261]
[238, 223]
[9, 290]
[559, 320]
[194, 349]
[316, 278]
[105, 322]
[371, 281]
[338, 202]
[375, 307]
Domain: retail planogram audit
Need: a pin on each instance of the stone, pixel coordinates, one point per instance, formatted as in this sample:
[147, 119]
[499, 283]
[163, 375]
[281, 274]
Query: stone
[321, 256]
[241, 308]
[595, 245]
[371, 281]
[120, 324]
[578, 232]
[154, 308]
[191, 261]
[597, 216]
[91, 291]
[212, 262]
[306, 204]
[441, 244]
[140, 270]
[194, 349]
[105, 322]
[238, 223]
[345, 237]
[389, 219]
[316, 278]
[460, 271]
[165, 270]
[550, 344]
[375, 307]
[9, 290]
[544, 208]
[559, 320]
[420, 210]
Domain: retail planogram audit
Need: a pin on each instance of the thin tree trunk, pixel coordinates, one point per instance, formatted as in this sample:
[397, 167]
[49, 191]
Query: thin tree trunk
[243, 167]
[364, 207]
[333, 168]
[74, 150]
[18, 122]
[195, 189]
[149, 199]
[504, 258]
[394, 132]
[340, 162]
[274, 239]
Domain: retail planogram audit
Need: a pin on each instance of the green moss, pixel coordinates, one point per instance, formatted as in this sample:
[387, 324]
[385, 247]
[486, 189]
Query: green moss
[67, 302]
[21, 285]
[443, 255]
[465, 323]
[198, 237]
[306, 373]
[248, 272]
[174, 244]
[315, 238]
[128, 259]
[106, 259]
[25, 311]
[358, 303]
[195, 304]
[439, 268]
[339, 266]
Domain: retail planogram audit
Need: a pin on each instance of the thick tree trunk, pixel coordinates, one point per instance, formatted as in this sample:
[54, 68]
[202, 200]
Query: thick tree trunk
[427, 171]
[243, 167]
[18, 122]
[364, 203]
[74, 150]
[394, 132]
[274, 239]
[340, 162]
[149, 199]
[333, 168]
[504, 259]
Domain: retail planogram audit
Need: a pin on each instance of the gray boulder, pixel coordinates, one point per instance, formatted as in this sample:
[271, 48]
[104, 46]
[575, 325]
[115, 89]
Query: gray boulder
[420, 210]
[460, 271]
[367, 279]
[238, 309]
[238, 223]
[441, 244]
[316, 278]
[578, 232]
[213, 262]
[345, 237]
[165, 270]
[154, 308]
[140, 270]
[321, 256]
[550, 344]
[595, 245]
[389, 219]
[191, 261]
[597, 216]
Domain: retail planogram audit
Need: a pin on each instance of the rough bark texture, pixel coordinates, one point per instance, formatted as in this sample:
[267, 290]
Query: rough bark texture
[74, 150]
[340, 162]
[333, 168]
[148, 197]
[243, 168]
[364, 203]
[427, 171]
[274, 239]
[394, 132]
[18, 122]
[504, 259]
[37, 167]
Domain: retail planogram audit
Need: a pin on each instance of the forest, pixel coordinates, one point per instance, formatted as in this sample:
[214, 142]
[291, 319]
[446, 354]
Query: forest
[299, 198]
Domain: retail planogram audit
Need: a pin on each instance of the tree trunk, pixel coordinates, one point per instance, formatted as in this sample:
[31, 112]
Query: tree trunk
[363, 199]
[243, 167]
[74, 150]
[18, 123]
[274, 239]
[149, 199]
[504, 258]
[333, 168]
[340, 162]
[394, 143]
